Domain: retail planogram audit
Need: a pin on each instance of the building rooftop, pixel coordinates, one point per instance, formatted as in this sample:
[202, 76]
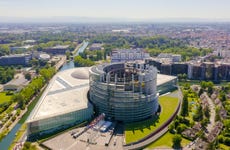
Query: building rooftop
[15, 55]
[66, 92]
[19, 79]
[161, 78]
[60, 47]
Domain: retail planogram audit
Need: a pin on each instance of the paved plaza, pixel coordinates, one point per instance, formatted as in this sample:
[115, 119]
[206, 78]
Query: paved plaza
[89, 140]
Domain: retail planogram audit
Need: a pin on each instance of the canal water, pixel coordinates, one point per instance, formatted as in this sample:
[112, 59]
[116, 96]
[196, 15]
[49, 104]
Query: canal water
[8, 139]
[70, 64]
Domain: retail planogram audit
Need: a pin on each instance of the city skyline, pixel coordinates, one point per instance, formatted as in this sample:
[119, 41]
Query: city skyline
[130, 10]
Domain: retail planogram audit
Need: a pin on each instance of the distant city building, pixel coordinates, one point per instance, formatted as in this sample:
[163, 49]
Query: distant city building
[215, 71]
[166, 67]
[44, 57]
[222, 53]
[17, 59]
[96, 46]
[20, 48]
[126, 55]
[196, 70]
[179, 68]
[172, 57]
[202, 71]
[57, 50]
[29, 41]
[223, 71]
[41, 55]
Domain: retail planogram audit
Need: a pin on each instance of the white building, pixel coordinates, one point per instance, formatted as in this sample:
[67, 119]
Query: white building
[126, 55]
[63, 104]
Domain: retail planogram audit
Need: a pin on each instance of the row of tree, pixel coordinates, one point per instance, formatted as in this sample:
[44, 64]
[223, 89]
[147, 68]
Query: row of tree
[34, 87]
[81, 62]
[93, 55]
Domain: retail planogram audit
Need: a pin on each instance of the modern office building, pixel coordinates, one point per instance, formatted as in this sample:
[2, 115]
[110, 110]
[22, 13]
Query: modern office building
[126, 55]
[20, 48]
[179, 68]
[96, 46]
[166, 83]
[171, 57]
[57, 50]
[124, 91]
[63, 104]
[17, 59]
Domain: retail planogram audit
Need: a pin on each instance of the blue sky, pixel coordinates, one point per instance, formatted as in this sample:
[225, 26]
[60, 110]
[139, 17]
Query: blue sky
[133, 9]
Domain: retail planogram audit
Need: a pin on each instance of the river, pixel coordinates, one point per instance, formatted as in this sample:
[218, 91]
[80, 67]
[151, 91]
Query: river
[8, 139]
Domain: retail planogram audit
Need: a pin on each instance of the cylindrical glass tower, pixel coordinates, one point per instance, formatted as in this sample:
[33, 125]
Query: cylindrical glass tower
[124, 91]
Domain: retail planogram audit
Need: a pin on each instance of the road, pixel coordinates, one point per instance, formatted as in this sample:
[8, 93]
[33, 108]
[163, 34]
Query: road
[212, 113]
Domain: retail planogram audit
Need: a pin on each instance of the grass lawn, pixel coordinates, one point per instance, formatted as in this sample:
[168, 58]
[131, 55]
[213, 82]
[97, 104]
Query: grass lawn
[225, 147]
[138, 130]
[4, 98]
[166, 142]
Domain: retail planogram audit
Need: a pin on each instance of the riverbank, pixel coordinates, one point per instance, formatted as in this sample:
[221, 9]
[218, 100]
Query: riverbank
[9, 137]
[21, 134]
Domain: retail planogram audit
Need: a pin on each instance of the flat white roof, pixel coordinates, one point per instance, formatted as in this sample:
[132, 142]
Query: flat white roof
[162, 78]
[66, 92]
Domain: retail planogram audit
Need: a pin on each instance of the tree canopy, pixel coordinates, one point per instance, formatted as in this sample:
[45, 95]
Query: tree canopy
[81, 62]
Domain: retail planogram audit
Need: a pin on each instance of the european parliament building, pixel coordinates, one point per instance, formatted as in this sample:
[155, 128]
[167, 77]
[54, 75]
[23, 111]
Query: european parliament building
[124, 91]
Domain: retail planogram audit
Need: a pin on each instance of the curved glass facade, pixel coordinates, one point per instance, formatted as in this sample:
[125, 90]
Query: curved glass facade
[124, 91]
[51, 124]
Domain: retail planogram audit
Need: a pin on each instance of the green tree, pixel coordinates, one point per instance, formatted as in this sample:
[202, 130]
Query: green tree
[4, 50]
[181, 128]
[28, 76]
[206, 112]
[6, 74]
[217, 117]
[29, 146]
[80, 62]
[222, 96]
[180, 77]
[99, 55]
[200, 92]
[184, 107]
[47, 73]
[172, 128]
[67, 55]
[198, 116]
[176, 140]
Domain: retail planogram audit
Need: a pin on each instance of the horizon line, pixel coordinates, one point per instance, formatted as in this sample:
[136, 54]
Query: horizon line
[88, 19]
